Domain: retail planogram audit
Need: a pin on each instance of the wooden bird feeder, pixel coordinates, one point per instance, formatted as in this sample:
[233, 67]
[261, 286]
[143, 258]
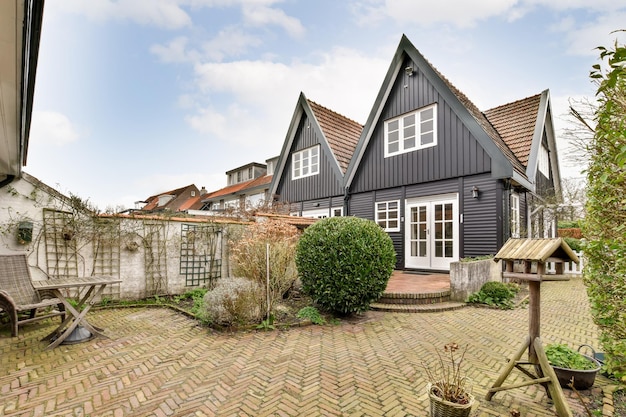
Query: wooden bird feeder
[534, 252]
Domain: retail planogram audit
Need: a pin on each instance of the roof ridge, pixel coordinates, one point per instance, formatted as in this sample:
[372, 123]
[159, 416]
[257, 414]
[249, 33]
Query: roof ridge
[513, 102]
[334, 112]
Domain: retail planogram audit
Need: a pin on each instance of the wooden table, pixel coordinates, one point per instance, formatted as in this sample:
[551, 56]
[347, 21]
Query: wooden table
[75, 316]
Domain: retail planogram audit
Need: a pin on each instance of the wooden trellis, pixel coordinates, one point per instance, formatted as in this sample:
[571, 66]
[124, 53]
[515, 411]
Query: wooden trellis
[155, 257]
[106, 252]
[60, 244]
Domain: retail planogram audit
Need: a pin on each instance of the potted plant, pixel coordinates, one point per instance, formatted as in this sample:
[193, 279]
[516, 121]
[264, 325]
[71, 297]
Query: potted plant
[571, 365]
[448, 389]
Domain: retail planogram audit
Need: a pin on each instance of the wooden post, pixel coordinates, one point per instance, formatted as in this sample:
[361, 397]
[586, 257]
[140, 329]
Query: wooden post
[534, 309]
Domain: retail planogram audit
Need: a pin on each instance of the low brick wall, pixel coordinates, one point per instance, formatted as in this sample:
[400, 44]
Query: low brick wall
[467, 277]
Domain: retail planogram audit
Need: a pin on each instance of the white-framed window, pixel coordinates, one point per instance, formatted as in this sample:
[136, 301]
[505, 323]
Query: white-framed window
[411, 131]
[388, 215]
[305, 162]
[336, 212]
[515, 217]
[544, 161]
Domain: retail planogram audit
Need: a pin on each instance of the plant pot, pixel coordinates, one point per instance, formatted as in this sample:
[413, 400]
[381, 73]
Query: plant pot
[583, 378]
[442, 408]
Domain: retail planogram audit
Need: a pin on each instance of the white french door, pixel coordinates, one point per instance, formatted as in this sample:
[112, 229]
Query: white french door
[432, 232]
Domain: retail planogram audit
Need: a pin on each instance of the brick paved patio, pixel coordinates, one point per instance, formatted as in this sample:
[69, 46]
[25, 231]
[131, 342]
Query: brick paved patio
[160, 363]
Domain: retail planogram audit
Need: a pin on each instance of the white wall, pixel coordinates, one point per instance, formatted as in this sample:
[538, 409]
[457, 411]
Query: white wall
[23, 200]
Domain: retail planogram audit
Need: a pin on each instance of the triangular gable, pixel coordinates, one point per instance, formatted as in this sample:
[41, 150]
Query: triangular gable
[504, 162]
[339, 136]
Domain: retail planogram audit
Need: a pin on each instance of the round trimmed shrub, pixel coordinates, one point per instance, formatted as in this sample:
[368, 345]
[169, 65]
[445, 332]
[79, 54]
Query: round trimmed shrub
[345, 263]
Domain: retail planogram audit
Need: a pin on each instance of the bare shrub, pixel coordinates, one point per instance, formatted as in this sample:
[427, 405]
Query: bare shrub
[233, 301]
[248, 255]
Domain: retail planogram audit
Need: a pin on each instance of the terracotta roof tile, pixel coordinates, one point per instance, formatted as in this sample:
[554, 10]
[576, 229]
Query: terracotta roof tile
[515, 122]
[242, 186]
[484, 123]
[341, 133]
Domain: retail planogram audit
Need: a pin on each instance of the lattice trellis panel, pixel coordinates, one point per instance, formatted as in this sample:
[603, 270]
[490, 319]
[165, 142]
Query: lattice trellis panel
[155, 256]
[200, 254]
[106, 251]
[60, 243]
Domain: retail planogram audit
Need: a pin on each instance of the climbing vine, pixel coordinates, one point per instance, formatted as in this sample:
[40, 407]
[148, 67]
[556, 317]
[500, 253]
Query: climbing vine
[605, 223]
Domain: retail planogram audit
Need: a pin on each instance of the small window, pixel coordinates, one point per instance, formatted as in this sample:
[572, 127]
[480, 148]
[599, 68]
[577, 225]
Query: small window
[239, 175]
[544, 161]
[193, 193]
[305, 163]
[515, 216]
[412, 131]
[250, 173]
[388, 215]
[336, 212]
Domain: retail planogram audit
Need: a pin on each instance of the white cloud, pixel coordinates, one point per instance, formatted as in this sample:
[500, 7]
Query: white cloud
[174, 51]
[584, 37]
[262, 15]
[229, 42]
[263, 94]
[461, 13]
[161, 13]
[52, 128]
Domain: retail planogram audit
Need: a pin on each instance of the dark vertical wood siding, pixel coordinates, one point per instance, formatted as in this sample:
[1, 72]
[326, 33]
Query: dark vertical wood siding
[480, 219]
[323, 185]
[457, 152]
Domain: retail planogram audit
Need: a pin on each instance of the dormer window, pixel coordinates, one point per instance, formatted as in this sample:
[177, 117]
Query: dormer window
[411, 131]
[306, 162]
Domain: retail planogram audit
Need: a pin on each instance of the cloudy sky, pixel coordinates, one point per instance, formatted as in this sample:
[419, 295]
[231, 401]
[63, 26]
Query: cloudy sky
[137, 97]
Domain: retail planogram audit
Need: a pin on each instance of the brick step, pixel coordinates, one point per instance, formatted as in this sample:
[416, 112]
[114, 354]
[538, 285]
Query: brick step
[413, 299]
[418, 308]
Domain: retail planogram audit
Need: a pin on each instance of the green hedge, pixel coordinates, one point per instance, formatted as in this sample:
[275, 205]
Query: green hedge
[345, 263]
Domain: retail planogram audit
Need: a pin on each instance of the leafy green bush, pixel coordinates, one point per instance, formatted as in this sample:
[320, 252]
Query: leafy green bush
[574, 244]
[312, 314]
[345, 263]
[495, 293]
[563, 356]
[605, 220]
[569, 224]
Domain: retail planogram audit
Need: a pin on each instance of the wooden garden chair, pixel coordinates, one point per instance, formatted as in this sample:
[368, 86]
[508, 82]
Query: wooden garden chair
[18, 297]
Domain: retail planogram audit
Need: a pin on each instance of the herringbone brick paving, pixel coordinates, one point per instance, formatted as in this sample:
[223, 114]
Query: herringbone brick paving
[160, 363]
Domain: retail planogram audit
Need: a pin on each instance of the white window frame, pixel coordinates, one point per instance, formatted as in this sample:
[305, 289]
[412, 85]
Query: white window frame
[336, 212]
[397, 124]
[544, 161]
[305, 160]
[515, 215]
[381, 207]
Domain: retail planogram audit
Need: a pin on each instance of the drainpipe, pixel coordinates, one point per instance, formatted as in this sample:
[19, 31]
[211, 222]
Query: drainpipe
[346, 199]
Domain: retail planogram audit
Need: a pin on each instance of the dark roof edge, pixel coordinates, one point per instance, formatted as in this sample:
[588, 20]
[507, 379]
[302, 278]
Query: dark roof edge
[501, 166]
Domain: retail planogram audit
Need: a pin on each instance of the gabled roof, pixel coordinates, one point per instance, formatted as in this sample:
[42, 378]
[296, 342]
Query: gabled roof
[536, 250]
[515, 122]
[504, 162]
[152, 202]
[239, 188]
[339, 134]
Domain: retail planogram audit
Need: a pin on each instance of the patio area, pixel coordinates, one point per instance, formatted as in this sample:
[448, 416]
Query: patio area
[160, 363]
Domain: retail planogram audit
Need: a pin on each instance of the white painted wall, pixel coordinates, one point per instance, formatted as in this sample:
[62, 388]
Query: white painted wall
[26, 200]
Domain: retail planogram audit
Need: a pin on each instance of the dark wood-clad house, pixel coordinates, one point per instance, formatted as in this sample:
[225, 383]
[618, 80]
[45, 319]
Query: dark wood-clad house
[313, 161]
[444, 179]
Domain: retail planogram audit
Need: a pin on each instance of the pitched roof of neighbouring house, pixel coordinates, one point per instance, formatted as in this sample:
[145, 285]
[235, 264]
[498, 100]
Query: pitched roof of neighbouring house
[238, 188]
[341, 133]
[152, 202]
[515, 122]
